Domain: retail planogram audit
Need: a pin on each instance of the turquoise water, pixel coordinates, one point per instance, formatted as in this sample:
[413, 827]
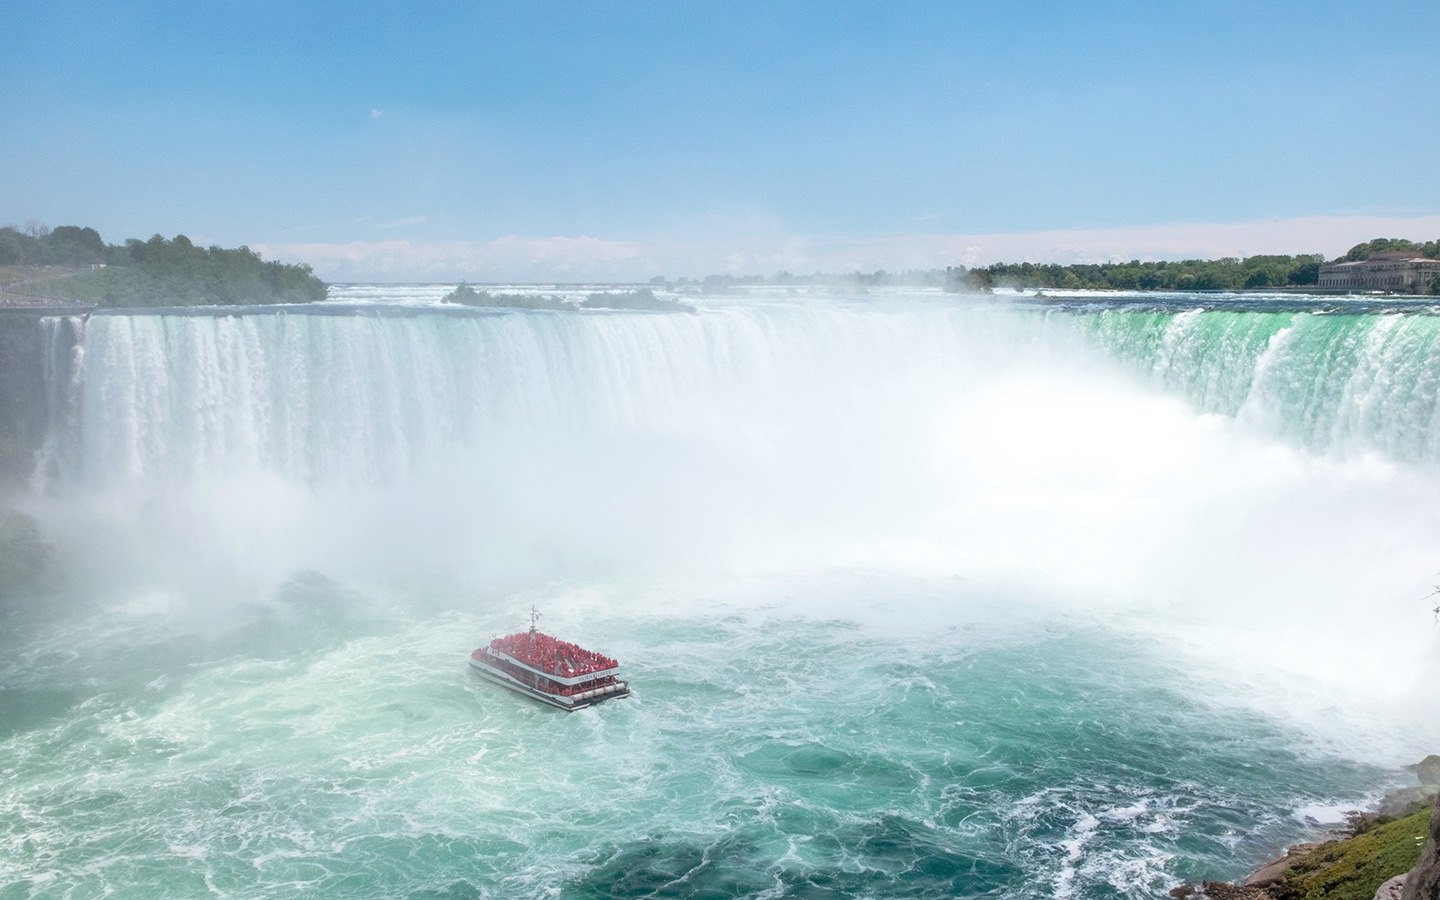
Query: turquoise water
[918, 598]
[763, 754]
[1332, 380]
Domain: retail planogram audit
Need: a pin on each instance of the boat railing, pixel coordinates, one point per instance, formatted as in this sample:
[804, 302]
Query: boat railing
[579, 678]
[546, 681]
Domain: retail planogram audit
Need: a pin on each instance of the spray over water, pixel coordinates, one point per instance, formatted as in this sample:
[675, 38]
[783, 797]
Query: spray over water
[920, 596]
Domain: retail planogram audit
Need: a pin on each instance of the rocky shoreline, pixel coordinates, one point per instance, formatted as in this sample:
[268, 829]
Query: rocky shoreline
[1389, 853]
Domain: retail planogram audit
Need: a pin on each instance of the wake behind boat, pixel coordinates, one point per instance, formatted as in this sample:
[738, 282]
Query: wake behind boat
[550, 670]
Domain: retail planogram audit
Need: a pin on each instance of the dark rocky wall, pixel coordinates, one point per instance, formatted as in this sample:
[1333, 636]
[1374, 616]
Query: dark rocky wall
[1423, 882]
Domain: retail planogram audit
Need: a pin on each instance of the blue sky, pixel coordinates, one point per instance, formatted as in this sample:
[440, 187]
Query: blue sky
[597, 139]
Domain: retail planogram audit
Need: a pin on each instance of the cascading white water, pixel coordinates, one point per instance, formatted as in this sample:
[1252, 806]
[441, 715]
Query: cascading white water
[1331, 381]
[368, 399]
[375, 397]
[62, 363]
[1010, 443]
[915, 591]
[640, 438]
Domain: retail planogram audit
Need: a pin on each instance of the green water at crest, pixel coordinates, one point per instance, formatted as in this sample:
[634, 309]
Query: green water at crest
[1334, 382]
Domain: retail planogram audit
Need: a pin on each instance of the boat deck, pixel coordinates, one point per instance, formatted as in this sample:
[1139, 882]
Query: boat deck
[616, 689]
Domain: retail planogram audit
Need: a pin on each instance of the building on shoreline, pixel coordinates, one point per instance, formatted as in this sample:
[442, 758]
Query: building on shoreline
[1405, 273]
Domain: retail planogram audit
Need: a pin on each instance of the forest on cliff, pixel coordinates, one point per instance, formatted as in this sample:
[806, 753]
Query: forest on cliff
[156, 272]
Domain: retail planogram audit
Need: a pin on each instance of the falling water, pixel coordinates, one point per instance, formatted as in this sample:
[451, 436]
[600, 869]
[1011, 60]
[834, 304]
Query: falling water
[919, 595]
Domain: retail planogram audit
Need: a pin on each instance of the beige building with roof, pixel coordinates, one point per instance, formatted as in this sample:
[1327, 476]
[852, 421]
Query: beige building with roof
[1403, 273]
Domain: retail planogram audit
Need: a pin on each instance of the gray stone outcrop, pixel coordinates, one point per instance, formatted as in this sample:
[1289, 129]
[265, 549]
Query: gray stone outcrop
[1423, 882]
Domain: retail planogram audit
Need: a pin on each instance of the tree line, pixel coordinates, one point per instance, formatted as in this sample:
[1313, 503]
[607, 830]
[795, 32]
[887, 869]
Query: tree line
[1229, 274]
[1429, 249]
[157, 272]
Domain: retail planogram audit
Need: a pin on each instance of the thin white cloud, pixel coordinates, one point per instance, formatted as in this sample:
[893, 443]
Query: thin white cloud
[1329, 235]
[376, 113]
[769, 250]
[406, 222]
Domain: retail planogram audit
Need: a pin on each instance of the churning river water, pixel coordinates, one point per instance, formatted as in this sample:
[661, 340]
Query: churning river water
[920, 595]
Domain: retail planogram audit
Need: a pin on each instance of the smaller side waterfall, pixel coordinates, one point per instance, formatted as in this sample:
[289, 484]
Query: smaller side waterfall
[39, 393]
[62, 349]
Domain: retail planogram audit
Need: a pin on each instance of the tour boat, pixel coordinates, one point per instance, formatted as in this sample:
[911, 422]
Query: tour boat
[550, 670]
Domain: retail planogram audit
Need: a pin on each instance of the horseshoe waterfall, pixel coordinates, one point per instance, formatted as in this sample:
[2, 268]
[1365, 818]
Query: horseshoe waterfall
[918, 594]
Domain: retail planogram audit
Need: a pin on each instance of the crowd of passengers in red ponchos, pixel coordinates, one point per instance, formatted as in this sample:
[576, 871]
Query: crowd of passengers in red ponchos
[551, 655]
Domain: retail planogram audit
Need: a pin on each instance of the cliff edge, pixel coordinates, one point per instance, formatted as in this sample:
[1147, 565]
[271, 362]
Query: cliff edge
[1379, 855]
[1423, 882]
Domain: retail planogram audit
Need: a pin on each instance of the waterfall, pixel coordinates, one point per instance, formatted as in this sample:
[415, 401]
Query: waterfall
[1038, 594]
[369, 398]
[62, 368]
[931, 433]
[1331, 382]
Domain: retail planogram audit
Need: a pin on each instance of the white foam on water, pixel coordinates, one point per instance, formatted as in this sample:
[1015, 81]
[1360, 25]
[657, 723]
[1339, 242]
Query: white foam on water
[1074, 846]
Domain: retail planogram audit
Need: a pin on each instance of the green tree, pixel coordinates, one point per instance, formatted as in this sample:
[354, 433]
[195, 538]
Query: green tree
[1306, 272]
[88, 238]
[1389, 245]
[12, 252]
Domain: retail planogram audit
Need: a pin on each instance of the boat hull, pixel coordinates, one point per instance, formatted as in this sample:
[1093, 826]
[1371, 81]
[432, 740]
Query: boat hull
[618, 690]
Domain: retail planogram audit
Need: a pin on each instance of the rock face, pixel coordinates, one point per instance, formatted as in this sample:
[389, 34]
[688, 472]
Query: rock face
[1404, 801]
[1428, 770]
[1392, 889]
[1423, 882]
[1273, 872]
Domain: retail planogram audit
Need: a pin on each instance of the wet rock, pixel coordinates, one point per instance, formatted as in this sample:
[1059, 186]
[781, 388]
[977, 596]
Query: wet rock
[1270, 873]
[1223, 890]
[1274, 871]
[1397, 804]
[1428, 770]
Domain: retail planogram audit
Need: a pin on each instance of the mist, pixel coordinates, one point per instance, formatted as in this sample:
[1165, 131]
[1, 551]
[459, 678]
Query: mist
[219, 457]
